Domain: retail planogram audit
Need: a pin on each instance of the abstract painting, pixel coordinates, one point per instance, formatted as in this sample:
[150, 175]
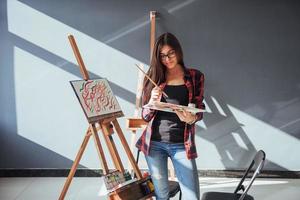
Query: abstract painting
[96, 98]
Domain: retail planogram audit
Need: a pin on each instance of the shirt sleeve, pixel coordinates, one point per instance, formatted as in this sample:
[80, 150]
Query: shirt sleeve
[147, 113]
[199, 97]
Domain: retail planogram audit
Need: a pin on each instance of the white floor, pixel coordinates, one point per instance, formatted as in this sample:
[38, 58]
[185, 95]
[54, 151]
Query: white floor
[89, 188]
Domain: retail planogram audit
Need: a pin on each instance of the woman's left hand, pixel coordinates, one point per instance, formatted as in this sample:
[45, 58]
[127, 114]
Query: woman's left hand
[186, 116]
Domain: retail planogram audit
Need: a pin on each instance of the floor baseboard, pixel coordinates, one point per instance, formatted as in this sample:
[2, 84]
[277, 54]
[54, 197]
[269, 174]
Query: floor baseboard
[98, 173]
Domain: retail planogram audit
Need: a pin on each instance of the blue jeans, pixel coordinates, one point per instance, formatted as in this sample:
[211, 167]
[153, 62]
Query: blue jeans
[186, 170]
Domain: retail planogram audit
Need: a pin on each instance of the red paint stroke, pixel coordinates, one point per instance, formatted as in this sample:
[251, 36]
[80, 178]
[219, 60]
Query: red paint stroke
[97, 98]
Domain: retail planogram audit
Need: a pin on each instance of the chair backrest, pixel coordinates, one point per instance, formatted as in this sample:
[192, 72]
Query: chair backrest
[257, 164]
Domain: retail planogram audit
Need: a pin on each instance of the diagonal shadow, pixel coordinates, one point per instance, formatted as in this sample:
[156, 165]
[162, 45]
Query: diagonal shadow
[68, 66]
[221, 127]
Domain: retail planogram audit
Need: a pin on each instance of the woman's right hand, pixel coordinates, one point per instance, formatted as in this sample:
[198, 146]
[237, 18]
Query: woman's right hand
[155, 94]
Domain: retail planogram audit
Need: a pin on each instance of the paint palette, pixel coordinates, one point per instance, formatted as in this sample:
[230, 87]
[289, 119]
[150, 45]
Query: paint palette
[116, 179]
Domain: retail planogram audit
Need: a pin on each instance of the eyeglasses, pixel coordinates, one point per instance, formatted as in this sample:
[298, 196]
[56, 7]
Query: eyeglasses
[170, 54]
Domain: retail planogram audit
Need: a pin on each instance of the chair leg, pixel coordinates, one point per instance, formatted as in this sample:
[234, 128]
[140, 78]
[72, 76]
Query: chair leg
[180, 194]
[137, 156]
[137, 160]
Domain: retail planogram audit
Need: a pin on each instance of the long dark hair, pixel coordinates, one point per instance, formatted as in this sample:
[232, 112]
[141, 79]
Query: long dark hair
[157, 69]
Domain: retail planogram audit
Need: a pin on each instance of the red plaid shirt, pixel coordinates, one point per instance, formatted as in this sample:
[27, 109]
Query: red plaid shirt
[194, 81]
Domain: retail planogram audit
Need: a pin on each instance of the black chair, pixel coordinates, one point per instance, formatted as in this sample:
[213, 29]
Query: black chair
[257, 165]
[174, 186]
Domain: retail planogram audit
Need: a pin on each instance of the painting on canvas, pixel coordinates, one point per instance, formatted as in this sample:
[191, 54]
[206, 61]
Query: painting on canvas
[96, 99]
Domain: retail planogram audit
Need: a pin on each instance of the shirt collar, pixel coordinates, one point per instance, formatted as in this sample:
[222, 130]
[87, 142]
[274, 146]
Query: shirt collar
[187, 75]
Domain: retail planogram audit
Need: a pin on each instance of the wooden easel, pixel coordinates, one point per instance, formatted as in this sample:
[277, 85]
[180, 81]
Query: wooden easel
[104, 124]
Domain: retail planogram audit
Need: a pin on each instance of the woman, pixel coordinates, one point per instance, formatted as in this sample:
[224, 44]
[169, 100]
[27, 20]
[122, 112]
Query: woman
[171, 134]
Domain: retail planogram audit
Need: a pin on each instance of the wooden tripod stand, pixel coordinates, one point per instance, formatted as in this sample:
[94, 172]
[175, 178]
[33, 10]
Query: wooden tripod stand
[103, 123]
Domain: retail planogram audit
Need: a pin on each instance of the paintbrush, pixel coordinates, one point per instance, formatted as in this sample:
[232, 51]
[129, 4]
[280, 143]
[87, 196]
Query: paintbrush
[151, 80]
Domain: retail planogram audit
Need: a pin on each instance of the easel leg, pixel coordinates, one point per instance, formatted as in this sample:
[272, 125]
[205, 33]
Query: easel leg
[99, 148]
[132, 143]
[127, 149]
[112, 147]
[75, 164]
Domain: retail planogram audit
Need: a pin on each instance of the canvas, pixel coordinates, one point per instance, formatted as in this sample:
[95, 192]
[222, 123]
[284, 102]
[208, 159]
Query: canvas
[96, 99]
